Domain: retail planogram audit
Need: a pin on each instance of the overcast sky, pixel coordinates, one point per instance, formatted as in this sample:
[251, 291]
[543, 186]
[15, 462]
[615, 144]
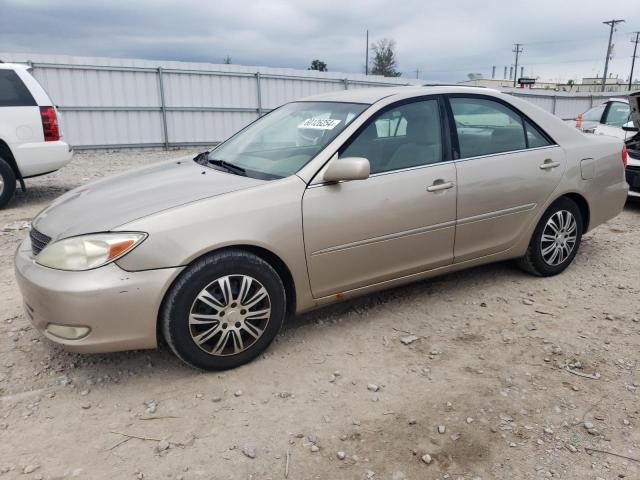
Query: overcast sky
[444, 39]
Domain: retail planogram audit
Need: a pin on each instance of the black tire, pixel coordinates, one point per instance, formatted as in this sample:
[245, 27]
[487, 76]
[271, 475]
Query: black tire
[180, 303]
[7, 182]
[533, 261]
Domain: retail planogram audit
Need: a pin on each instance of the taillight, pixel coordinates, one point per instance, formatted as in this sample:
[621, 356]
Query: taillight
[49, 124]
[624, 155]
[579, 121]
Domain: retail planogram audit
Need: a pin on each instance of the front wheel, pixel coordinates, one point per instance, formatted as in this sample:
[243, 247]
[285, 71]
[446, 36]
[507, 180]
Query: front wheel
[555, 241]
[223, 310]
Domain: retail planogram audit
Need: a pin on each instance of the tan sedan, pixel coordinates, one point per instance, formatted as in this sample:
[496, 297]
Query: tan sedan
[320, 200]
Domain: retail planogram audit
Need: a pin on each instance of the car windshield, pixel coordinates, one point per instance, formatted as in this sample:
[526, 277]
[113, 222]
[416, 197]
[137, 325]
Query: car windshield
[282, 142]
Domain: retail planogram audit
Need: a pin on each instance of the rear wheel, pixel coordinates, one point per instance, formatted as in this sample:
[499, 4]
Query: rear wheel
[7, 182]
[555, 241]
[224, 310]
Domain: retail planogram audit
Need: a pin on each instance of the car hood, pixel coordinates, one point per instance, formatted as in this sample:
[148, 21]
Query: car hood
[634, 103]
[106, 204]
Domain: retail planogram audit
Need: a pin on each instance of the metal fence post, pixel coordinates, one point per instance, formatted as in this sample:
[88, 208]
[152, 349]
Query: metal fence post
[346, 83]
[259, 90]
[554, 99]
[591, 101]
[163, 109]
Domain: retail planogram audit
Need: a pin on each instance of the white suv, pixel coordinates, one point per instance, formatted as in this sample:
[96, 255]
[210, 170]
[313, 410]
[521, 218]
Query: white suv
[30, 137]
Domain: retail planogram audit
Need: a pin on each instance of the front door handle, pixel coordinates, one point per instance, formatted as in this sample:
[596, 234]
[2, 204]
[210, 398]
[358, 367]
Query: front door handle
[439, 185]
[549, 164]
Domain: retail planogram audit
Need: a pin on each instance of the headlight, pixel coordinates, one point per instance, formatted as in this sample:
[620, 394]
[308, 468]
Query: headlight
[88, 251]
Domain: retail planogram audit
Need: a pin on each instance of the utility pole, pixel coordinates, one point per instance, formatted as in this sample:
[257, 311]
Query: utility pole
[612, 24]
[417, 73]
[633, 59]
[517, 50]
[366, 56]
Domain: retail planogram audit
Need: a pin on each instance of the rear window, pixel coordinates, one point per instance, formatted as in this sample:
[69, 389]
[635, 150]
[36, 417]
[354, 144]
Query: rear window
[13, 92]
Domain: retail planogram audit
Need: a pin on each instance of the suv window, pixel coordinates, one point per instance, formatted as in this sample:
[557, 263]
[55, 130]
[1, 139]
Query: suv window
[485, 127]
[617, 114]
[405, 136]
[13, 92]
[594, 114]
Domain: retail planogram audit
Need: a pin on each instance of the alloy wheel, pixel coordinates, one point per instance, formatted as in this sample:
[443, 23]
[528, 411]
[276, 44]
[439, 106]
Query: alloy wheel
[558, 237]
[229, 315]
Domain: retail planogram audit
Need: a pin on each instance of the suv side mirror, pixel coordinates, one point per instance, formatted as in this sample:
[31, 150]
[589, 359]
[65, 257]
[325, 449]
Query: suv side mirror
[348, 168]
[629, 127]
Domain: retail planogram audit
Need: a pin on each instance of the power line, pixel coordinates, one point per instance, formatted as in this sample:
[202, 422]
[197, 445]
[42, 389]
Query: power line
[517, 50]
[366, 55]
[633, 58]
[612, 24]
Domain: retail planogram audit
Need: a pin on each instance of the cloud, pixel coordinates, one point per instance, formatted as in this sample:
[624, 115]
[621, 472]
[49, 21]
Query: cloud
[443, 40]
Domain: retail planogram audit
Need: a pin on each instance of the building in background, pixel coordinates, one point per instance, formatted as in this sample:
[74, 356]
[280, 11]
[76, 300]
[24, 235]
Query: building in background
[588, 84]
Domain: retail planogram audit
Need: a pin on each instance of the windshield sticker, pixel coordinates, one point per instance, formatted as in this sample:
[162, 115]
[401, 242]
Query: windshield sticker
[319, 123]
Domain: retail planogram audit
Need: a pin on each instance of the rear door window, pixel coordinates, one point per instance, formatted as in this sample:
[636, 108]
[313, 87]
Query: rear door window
[13, 93]
[485, 127]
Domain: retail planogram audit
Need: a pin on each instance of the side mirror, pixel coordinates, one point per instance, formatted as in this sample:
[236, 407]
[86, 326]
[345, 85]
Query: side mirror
[630, 127]
[348, 168]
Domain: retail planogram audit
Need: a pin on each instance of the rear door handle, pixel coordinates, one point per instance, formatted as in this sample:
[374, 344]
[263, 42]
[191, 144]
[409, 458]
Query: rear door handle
[549, 164]
[439, 185]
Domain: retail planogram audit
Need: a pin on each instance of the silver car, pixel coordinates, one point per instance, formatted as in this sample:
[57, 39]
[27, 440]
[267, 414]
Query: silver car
[323, 199]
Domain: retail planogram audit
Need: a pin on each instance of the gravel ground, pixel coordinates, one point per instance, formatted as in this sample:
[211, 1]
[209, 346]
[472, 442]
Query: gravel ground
[506, 376]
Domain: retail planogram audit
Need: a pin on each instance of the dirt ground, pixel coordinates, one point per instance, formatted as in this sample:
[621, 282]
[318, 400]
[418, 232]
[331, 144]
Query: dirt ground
[511, 377]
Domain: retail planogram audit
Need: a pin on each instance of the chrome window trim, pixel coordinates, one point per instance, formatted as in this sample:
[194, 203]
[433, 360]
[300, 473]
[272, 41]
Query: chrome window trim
[507, 152]
[419, 167]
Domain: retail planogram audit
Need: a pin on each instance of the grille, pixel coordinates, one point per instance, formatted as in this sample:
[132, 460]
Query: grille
[38, 241]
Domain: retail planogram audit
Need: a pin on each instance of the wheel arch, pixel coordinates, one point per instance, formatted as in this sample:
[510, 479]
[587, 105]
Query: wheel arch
[7, 155]
[583, 205]
[268, 256]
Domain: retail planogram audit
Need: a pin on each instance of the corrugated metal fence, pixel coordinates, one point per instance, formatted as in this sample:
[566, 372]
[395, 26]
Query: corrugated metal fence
[116, 103]
[120, 103]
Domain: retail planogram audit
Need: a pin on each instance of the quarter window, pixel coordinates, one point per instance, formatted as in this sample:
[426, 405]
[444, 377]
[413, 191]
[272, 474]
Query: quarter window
[535, 138]
[405, 136]
[13, 93]
[486, 127]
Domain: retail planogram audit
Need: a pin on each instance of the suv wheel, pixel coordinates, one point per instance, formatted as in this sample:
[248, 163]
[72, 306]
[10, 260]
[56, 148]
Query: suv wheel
[7, 182]
[224, 310]
[555, 241]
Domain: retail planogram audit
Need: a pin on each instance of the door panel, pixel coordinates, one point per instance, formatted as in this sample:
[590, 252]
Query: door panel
[363, 232]
[499, 195]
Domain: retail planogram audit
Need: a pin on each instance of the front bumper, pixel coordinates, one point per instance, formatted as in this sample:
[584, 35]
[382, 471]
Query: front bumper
[120, 307]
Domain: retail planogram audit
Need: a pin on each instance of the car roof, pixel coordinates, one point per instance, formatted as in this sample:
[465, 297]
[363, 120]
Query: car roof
[621, 100]
[375, 94]
[13, 66]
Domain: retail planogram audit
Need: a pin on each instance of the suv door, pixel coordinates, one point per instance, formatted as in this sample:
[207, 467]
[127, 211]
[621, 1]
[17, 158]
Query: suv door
[399, 221]
[507, 168]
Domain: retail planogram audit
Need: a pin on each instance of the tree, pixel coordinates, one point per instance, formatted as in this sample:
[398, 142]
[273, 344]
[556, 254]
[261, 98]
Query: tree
[474, 76]
[383, 58]
[227, 60]
[318, 65]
